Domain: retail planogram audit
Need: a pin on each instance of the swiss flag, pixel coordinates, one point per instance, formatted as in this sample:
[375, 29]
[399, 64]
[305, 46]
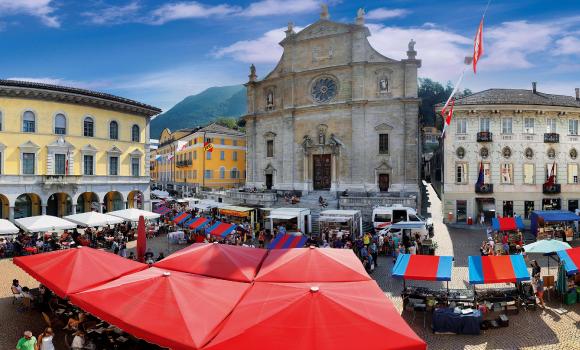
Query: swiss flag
[478, 46]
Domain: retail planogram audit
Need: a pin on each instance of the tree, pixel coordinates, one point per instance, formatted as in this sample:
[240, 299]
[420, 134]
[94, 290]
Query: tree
[228, 122]
[432, 93]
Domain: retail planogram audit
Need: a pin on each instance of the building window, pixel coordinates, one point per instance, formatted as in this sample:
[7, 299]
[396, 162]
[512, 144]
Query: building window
[222, 173]
[506, 125]
[194, 154]
[484, 124]
[194, 176]
[135, 166]
[59, 164]
[529, 174]
[572, 173]
[461, 173]
[461, 125]
[60, 124]
[88, 127]
[551, 125]
[529, 125]
[28, 122]
[235, 142]
[573, 205]
[528, 209]
[270, 148]
[28, 160]
[0, 120]
[383, 143]
[552, 168]
[114, 130]
[135, 133]
[234, 173]
[88, 162]
[207, 174]
[223, 141]
[0, 163]
[573, 127]
[461, 210]
[208, 155]
[487, 173]
[507, 173]
[114, 166]
[222, 155]
[508, 209]
[235, 156]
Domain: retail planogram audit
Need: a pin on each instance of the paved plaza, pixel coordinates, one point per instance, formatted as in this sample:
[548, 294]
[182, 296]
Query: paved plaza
[539, 329]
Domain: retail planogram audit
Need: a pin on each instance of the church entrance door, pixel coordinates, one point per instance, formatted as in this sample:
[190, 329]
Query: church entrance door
[269, 181]
[322, 171]
[383, 182]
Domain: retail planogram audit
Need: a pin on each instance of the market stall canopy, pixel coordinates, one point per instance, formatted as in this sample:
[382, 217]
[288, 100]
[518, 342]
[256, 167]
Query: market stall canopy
[507, 224]
[281, 216]
[223, 261]
[221, 229]
[237, 211]
[181, 217]
[423, 267]
[7, 228]
[497, 269]
[570, 259]
[287, 241]
[161, 210]
[315, 316]
[198, 223]
[160, 194]
[312, 265]
[44, 223]
[340, 212]
[550, 216]
[334, 218]
[133, 214]
[169, 308]
[94, 219]
[73, 270]
[546, 246]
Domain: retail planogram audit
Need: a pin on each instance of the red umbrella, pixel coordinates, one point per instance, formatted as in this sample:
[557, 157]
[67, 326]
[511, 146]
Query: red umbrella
[312, 265]
[73, 270]
[171, 309]
[216, 260]
[316, 316]
[141, 240]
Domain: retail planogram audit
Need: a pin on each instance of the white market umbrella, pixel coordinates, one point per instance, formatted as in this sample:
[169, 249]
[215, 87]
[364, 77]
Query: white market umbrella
[44, 223]
[94, 219]
[134, 214]
[7, 228]
[546, 246]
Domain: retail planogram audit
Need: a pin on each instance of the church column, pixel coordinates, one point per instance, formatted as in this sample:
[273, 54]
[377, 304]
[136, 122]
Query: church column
[306, 171]
[287, 168]
[333, 172]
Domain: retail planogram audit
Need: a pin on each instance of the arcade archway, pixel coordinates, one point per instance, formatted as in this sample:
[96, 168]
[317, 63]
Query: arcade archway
[113, 201]
[59, 204]
[88, 201]
[135, 200]
[27, 204]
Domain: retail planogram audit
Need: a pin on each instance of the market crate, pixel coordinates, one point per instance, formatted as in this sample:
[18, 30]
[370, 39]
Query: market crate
[570, 298]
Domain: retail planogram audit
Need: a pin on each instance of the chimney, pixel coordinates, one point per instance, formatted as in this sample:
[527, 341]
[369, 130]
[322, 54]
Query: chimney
[577, 94]
[534, 87]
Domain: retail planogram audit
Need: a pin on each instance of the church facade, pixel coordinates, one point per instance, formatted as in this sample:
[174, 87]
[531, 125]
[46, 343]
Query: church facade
[334, 114]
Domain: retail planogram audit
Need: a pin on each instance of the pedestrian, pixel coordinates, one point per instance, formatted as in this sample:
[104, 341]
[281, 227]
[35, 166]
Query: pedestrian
[45, 340]
[374, 253]
[536, 269]
[481, 219]
[78, 342]
[27, 342]
[539, 284]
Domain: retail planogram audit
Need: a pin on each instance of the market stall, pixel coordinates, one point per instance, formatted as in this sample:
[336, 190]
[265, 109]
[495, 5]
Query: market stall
[339, 223]
[221, 229]
[162, 210]
[43, 223]
[291, 220]
[556, 224]
[181, 218]
[133, 214]
[569, 276]
[7, 228]
[547, 247]
[237, 214]
[93, 219]
[287, 241]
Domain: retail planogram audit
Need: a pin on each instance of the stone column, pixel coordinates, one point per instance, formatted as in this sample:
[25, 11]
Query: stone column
[43, 212]
[11, 213]
[74, 209]
[306, 172]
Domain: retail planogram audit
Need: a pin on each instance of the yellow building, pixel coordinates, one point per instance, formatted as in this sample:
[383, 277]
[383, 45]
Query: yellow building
[181, 163]
[66, 150]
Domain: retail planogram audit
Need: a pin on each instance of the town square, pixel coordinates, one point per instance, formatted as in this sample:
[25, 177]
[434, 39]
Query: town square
[289, 175]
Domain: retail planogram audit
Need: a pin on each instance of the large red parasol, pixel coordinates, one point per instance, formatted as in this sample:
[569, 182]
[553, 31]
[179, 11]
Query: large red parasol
[216, 260]
[168, 308]
[73, 270]
[314, 316]
[141, 239]
[312, 265]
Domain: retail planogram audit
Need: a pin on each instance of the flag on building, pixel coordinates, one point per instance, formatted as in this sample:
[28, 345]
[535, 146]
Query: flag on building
[158, 157]
[181, 146]
[447, 113]
[480, 177]
[170, 157]
[478, 45]
[66, 162]
[552, 178]
[208, 146]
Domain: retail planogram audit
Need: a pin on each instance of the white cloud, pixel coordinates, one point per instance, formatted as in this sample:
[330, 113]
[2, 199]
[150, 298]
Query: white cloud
[385, 13]
[113, 14]
[280, 7]
[568, 45]
[42, 9]
[190, 9]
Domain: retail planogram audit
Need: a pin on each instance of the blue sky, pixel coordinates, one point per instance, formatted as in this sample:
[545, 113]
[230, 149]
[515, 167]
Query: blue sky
[161, 51]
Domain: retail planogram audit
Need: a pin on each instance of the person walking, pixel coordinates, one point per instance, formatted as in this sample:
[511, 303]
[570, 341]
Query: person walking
[27, 342]
[481, 219]
[45, 340]
[539, 284]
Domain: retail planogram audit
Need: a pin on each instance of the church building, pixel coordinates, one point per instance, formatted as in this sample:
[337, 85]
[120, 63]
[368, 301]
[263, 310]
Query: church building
[334, 114]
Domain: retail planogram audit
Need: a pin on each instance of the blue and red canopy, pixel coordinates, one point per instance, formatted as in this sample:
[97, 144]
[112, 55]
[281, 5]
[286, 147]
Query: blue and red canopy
[221, 229]
[507, 224]
[571, 260]
[285, 241]
[497, 269]
[161, 210]
[181, 217]
[423, 267]
[198, 223]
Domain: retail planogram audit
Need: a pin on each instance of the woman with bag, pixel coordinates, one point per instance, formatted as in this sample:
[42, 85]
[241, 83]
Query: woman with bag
[45, 340]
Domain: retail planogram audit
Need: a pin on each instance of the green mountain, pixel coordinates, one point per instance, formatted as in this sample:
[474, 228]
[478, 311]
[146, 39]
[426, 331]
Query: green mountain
[202, 109]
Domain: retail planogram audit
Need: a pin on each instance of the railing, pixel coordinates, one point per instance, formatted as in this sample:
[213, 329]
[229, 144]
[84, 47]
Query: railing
[366, 204]
[551, 137]
[551, 188]
[182, 163]
[252, 197]
[484, 136]
[61, 179]
[483, 188]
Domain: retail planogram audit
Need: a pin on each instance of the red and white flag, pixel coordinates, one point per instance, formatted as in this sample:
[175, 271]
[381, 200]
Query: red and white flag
[66, 162]
[478, 46]
[447, 112]
[552, 178]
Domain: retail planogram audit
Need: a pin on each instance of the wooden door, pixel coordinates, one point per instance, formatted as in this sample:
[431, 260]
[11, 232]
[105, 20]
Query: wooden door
[383, 182]
[322, 171]
[269, 181]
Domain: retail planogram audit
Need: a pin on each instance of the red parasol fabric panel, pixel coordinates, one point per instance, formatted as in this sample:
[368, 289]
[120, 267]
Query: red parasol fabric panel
[171, 309]
[141, 240]
[73, 270]
[312, 265]
[216, 260]
[314, 316]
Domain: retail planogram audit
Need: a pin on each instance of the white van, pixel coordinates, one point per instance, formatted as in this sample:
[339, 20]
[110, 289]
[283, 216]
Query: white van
[410, 228]
[385, 216]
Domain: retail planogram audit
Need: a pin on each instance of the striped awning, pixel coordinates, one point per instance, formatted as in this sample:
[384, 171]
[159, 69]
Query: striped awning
[423, 267]
[182, 217]
[571, 260]
[161, 210]
[198, 223]
[286, 241]
[497, 269]
[221, 229]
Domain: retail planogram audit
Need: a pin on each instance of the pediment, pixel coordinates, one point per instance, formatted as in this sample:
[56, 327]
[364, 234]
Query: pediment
[115, 149]
[383, 166]
[136, 152]
[89, 148]
[29, 145]
[383, 127]
[269, 135]
[269, 169]
[322, 28]
[61, 143]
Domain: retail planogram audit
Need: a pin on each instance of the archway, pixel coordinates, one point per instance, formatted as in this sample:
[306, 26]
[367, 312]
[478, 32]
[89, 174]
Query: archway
[4, 207]
[113, 201]
[59, 204]
[135, 200]
[88, 201]
[27, 204]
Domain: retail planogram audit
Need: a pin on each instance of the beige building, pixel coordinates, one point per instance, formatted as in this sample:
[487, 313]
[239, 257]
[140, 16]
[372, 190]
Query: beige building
[334, 114]
[518, 137]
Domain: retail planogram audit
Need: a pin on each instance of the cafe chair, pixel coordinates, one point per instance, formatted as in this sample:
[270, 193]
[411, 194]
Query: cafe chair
[422, 308]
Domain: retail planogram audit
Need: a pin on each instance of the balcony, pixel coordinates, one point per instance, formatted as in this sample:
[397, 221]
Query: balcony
[551, 137]
[484, 136]
[183, 163]
[551, 188]
[61, 179]
[484, 188]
